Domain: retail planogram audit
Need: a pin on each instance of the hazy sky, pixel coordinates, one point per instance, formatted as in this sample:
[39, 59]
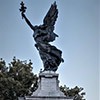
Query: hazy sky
[78, 29]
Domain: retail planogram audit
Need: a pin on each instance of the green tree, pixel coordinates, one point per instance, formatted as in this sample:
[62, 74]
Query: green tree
[73, 93]
[17, 79]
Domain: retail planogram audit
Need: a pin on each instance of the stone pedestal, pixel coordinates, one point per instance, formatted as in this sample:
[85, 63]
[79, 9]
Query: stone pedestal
[48, 88]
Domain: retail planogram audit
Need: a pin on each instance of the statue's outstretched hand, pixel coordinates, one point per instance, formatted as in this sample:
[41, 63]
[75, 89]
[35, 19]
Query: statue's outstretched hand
[23, 15]
[22, 9]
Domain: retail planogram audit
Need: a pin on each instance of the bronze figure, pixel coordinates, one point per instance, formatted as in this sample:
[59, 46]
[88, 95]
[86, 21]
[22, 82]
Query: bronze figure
[43, 35]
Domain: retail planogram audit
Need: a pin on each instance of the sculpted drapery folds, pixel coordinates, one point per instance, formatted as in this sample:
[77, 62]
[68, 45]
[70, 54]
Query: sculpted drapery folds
[43, 35]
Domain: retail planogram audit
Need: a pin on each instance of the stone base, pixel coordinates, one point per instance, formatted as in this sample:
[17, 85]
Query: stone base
[48, 88]
[46, 98]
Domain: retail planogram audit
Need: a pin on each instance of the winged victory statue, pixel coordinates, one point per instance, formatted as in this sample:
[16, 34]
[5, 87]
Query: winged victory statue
[43, 35]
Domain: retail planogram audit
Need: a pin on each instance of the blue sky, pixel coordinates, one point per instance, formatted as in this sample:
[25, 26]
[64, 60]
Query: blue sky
[78, 29]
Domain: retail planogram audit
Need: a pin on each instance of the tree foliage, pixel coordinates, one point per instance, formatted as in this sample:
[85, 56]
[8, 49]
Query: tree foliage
[17, 79]
[73, 93]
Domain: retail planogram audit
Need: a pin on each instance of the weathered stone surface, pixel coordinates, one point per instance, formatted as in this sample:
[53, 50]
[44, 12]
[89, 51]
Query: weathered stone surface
[48, 85]
[47, 98]
[48, 88]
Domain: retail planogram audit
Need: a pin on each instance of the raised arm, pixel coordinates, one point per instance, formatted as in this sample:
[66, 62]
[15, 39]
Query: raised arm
[22, 10]
[27, 21]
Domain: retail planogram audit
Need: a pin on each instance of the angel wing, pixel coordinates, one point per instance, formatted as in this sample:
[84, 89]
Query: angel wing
[51, 16]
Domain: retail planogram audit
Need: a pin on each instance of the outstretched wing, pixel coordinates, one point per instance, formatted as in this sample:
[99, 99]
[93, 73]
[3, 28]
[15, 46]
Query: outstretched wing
[51, 16]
